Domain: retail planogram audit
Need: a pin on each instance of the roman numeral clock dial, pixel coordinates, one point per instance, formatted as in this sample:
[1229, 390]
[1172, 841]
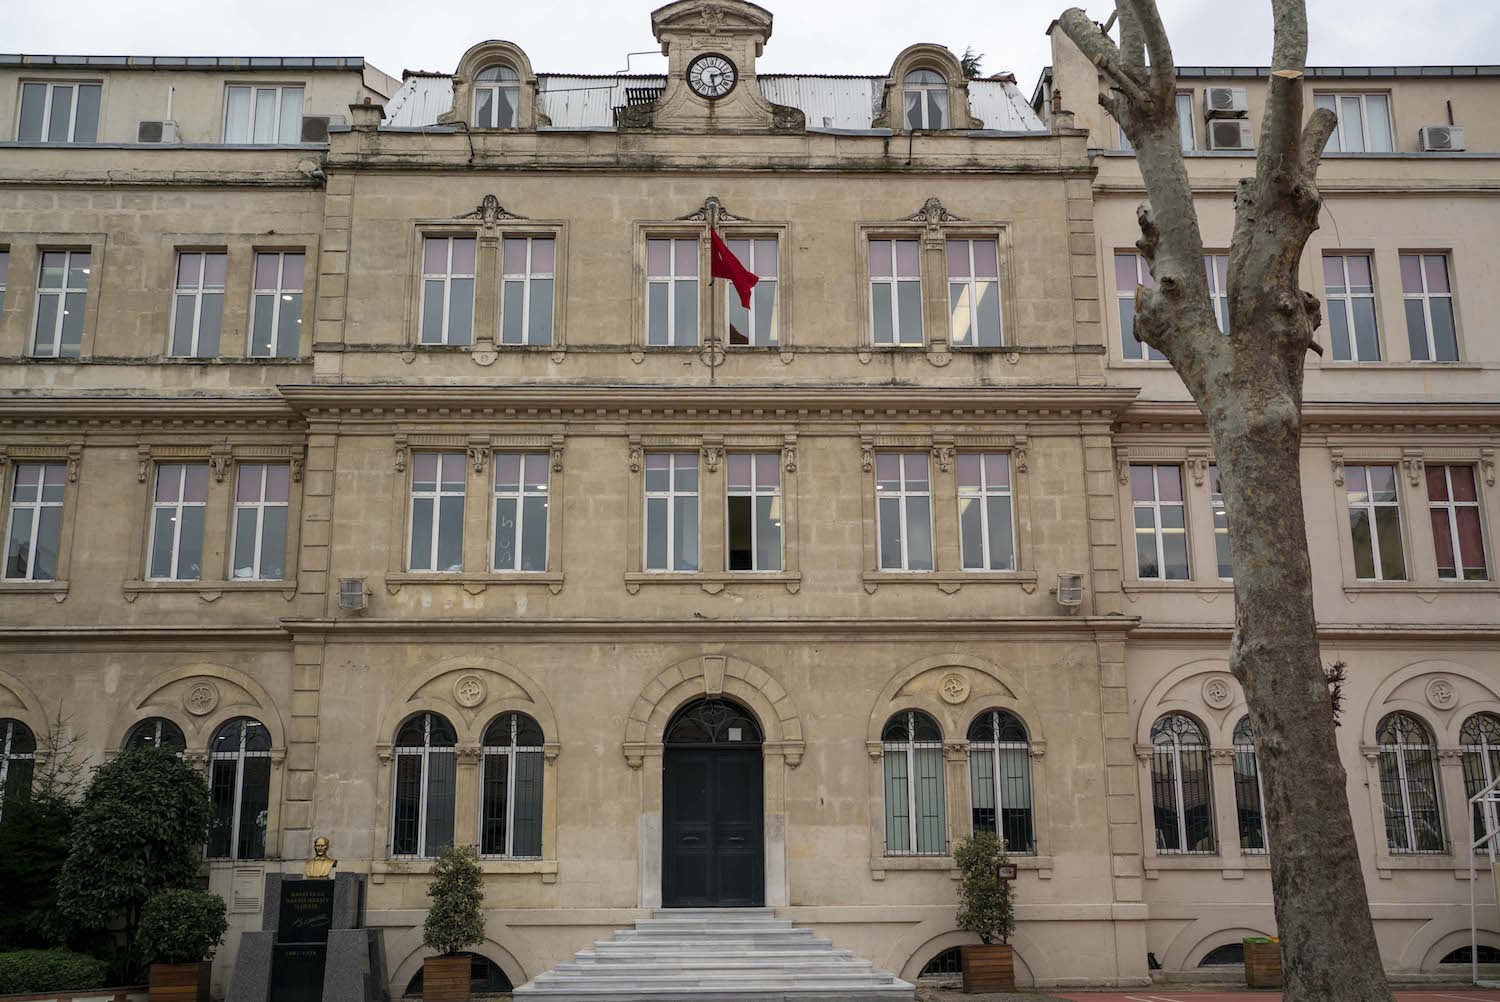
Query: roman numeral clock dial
[711, 76]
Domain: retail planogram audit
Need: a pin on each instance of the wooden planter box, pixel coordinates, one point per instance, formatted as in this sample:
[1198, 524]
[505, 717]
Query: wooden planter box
[445, 979]
[179, 982]
[988, 968]
[1263, 964]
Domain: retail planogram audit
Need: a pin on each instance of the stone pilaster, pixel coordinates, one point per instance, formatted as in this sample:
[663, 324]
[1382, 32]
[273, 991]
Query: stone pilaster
[333, 277]
[1083, 272]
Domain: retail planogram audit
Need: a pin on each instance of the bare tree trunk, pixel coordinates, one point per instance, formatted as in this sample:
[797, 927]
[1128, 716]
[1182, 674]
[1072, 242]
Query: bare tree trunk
[1248, 384]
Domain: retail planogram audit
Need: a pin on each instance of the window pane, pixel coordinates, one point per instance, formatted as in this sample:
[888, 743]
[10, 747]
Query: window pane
[484, 107]
[1364, 554]
[880, 302]
[907, 259]
[221, 794]
[1379, 119]
[1002, 552]
[685, 313]
[18, 547]
[913, 109]
[33, 104]
[543, 251]
[1364, 330]
[1470, 542]
[937, 109]
[970, 523]
[1129, 346]
[958, 313]
[244, 543]
[658, 257]
[450, 555]
[441, 774]
[741, 548]
[528, 819]
[265, 115]
[86, 121]
[880, 259]
[210, 321]
[1416, 329]
[255, 798]
[768, 533]
[534, 533]
[1388, 530]
[919, 530]
[260, 328]
[237, 118]
[656, 311]
[62, 109]
[461, 311]
[505, 534]
[968, 469]
[505, 108]
[432, 312]
[931, 810]
[988, 333]
[273, 544]
[658, 471]
[289, 325]
[897, 816]
[1444, 336]
[909, 309]
[1185, 121]
[512, 311]
[541, 311]
[291, 115]
[408, 805]
[182, 327]
[190, 544]
[656, 534]
[1411, 274]
[764, 298]
[890, 533]
[1350, 124]
[685, 257]
[685, 541]
[421, 534]
[1338, 326]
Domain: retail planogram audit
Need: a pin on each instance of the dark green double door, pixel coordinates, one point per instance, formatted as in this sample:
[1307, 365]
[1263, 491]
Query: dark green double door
[713, 836]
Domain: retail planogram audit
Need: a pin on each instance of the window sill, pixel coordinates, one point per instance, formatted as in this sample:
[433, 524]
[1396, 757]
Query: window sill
[209, 591]
[545, 868]
[1410, 366]
[1426, 589]
[57, 589]
[711, 582]
[1228, 867]
[1387, 863]
[881, 865]
[949, 582]
[1146, 587]
[474, 584]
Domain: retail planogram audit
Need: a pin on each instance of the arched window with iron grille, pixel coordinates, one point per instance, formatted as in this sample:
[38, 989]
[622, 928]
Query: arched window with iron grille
[1000, 779]
[1181, 793]
[426, 770]
[1248, 802]
[1479, 741]
[1408, 785]
[916, 818]
[511, 788]
[239, 784]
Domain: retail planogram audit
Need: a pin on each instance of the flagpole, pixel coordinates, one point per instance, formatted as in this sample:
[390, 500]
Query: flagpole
[713, 321]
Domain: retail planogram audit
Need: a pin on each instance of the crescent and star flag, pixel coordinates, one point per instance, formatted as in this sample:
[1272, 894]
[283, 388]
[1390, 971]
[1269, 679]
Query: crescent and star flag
[723, 264]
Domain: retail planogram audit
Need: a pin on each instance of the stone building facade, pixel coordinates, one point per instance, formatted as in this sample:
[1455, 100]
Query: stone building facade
[407, 471]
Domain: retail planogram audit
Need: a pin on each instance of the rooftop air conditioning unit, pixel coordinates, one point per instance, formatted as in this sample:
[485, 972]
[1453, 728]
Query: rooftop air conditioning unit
[156, 132]
[1224, 102]
[315, 128]
[1441, 137]
[1230, 134]
[352, 594]
[1069, 590]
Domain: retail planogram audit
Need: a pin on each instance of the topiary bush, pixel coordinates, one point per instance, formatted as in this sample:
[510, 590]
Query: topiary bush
[36, 971]
[181, 926]
[985, 904]
[457, 890]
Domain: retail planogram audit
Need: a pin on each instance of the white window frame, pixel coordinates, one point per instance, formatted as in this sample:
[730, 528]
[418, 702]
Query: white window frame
[1156, 504]
[178, 507]
[1348, 297]
[52, 85]
[494, 87]
[926, 87]
[61, 292]
[1450, 509]
[908, 748]
[731, 298]
[1188, 138]
[1342, 131]
[982, 494]
[671, 494]
[446, 276]
[1220, 514]
[892, 283]
[426, 751]
[259, 506]
[511, 752]
[754, 491]
[519, 496]
[1369, 505]
[278, 295]
[530, 275]
[671, 279]
[7, 756]
[1426, 297]
[1218, 295]
[238, 756]
[254, 89]
[197, 292]
[971, 283]
[1398, 753]
[436, 495]
[1142, 277]
[35, 507]
[903, 495]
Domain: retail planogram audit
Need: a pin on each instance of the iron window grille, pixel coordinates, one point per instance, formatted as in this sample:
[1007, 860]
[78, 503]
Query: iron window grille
[240, 789]
[1479, 743]
[916, 822]
[425, 774]
[1181, 790]
[511, 825]
[17, 760]
[1000, 780]
[157, 732]
[1408, 786]
[1248, 794]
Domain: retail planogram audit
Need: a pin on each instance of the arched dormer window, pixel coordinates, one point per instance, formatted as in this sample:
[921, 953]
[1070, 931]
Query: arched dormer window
[924, 100]
[497, 98]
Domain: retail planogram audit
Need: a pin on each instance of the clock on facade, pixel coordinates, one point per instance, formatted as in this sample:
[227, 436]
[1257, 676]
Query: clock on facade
[711, 76]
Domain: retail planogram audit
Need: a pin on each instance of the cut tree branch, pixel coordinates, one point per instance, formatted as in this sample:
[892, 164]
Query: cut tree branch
[1101, 52]
[1314, 137]
[1147, 19]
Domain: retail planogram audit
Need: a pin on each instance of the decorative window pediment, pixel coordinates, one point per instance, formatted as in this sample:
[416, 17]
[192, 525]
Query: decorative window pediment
[494, 88]
[926, 92]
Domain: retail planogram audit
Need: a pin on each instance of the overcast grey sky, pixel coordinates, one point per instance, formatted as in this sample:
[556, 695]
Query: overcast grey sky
[810, 36]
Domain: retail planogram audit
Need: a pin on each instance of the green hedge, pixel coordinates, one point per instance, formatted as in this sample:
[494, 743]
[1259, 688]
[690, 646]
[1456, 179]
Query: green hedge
[37, 971]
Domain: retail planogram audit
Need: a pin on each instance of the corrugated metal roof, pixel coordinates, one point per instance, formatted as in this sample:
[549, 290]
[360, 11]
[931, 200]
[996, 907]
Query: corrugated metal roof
[185, 62]
[588, 102]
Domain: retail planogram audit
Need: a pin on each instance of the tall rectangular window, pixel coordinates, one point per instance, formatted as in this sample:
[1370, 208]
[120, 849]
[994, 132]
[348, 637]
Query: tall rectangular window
[263, 116]
[1132, 270]
[1221, 524]
[1375, 522]
[974, 294]
[1349, 284]
[59, 113]
[529, 272]
[671, 511]
[1216, 267]
[1428, 298]
[4, 272]
[754, 515]
[260, 507]
[903, 498]
[276, 324]
[198, 304]
[438, 482]
[521, 482]
[756, 325]
[448, 290]
[896, 291]
[1185, 121]
[1160, 525]
[61, 296]
[672, 291]
[34, 531]
[181, 498]
[986, 525]
[1364, 122]
[1453, 501]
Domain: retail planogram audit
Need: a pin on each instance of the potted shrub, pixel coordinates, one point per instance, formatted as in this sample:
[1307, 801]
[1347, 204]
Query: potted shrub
[454, 922]
[986, 909]
[178, 933]
[1262, 961]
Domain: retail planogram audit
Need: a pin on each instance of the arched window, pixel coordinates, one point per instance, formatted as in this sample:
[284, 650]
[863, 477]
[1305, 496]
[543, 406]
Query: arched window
[239, 783]
[426, 769]
[1228, 955]
[497, 98]
[916, 819]
[485, 978]
[1000, 779]
[1247, 792]
[1487, 955]
[1181, 794]
[712, 722]
[157, 732]
[925, 96]
[1408, 785]
[511, 788]
[17, 758]
[1479, 740]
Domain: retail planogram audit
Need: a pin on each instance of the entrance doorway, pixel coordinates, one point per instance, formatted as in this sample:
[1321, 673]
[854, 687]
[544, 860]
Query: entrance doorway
[713, 810]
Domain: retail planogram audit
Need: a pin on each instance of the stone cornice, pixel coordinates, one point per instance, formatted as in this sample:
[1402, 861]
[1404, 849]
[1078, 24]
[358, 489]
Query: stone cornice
[113, 410]
[1148, 416]
[1345, 632]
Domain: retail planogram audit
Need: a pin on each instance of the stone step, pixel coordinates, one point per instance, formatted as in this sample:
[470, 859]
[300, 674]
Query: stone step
[728, 979]
[611, 952]
[813, 963]
[900, 991]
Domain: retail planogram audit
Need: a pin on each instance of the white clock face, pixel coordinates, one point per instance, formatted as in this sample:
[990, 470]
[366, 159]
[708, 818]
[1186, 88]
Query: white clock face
[711, 76]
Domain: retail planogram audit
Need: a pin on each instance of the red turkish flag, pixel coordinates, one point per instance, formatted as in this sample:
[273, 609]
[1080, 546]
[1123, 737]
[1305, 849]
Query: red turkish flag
[723, 264]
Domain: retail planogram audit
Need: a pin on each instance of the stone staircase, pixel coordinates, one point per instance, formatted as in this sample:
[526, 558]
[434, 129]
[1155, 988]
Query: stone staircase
[715, 953]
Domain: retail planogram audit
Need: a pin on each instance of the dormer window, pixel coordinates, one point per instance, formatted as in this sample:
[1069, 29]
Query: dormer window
[925, 97]
[497, 98]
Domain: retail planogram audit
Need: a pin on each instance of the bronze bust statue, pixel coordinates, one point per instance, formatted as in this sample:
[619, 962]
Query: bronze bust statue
[320, 867]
